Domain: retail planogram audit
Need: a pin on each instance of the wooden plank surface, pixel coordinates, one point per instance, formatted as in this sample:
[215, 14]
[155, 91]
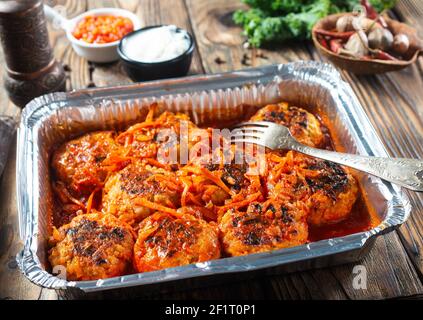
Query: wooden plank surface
[209, 20]
[408, 85]
[393, 103]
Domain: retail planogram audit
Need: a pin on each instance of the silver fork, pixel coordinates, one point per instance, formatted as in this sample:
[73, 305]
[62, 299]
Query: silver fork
[407, 173]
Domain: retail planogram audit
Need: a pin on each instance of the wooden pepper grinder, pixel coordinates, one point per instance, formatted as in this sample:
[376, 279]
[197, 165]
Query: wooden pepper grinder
[31, 68]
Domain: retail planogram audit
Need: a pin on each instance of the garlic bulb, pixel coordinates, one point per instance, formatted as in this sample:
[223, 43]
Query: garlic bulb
[365, 24]
[380, 38]
[401, 43]
[369, 24]
[357, 44]
[344, 24]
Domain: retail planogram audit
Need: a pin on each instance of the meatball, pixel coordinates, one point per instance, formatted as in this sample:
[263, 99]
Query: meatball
[221, 178]
[283, 182]
[333, 191]
[93, 246]
[164, 138]
[302, 124]
[123, 190]
[166, 241]
[328, 189]
[82, 164]
[199, 212]
[263, 227]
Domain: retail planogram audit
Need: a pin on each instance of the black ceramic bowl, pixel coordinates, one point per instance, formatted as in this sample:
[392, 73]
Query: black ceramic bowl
[143, 71]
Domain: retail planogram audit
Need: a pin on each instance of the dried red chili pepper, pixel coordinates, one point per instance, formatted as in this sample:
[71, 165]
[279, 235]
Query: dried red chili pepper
[333, 34]
[324, 43]
[370, 11]
[335, 45]
[382, 55]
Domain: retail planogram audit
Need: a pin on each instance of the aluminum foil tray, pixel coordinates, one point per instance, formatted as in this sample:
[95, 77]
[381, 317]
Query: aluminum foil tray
[218, 98]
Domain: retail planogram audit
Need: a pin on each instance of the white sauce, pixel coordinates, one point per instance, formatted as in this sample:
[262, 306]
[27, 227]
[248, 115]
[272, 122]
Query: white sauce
[156, 44]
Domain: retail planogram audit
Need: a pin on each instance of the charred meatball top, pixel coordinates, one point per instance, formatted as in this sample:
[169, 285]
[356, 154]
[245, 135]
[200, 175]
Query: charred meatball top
[303, 125]
[82, 164]
[263, 227]
[125, 190]
[328, 189]
[166, 241]
[92, 246]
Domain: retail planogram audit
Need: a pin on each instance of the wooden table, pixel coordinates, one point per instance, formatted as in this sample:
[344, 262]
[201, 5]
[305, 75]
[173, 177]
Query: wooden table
[393, 102]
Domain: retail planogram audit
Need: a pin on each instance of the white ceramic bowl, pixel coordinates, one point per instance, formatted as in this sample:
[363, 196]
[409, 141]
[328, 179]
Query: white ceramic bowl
[100, 53]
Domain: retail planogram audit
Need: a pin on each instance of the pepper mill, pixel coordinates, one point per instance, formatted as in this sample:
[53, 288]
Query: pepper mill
[31, 69]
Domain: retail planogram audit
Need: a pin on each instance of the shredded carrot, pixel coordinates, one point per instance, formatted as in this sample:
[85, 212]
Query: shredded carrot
[158, 164]
[143, 138]
[171, 183]
[157, 207]
[210, 190]
[90, 201]
[310, 173]
[117, 158]
[187, 185]
[274, 157]
[265, 205]
[210, 176]
[277, 174]
[138, 127]
[128, 142]
[150, 114]
[65, 193]
[217, 180]
[240, 204]
[194, 199]
[116, 162]
[111, 168]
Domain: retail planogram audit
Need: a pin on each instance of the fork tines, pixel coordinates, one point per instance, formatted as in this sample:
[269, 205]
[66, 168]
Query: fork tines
[249, 132]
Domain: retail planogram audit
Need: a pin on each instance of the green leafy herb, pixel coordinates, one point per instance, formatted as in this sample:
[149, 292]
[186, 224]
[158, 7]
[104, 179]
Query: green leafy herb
[381, 5]
[281, 20]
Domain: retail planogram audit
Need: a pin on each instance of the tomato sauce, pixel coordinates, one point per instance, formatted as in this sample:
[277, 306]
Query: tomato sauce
[363, 216]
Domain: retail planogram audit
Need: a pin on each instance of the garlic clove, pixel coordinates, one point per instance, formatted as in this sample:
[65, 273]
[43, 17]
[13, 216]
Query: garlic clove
[345, 23]
[357, 44]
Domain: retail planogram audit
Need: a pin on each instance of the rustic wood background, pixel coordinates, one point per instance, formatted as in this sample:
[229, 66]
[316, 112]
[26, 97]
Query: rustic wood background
[393, 102]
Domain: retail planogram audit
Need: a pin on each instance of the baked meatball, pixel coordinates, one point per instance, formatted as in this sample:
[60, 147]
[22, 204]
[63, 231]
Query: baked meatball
[263, 227]
[124, 189]
[82, 164]
[222, 178]
[166, 241]
[160, 138]
[304, 126]
[93, 246]
[333, 191]
[282, 179]
[200, 212]
[328, 189]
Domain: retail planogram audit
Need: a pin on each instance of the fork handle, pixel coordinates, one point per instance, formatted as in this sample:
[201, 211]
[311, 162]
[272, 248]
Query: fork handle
[407, 173]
